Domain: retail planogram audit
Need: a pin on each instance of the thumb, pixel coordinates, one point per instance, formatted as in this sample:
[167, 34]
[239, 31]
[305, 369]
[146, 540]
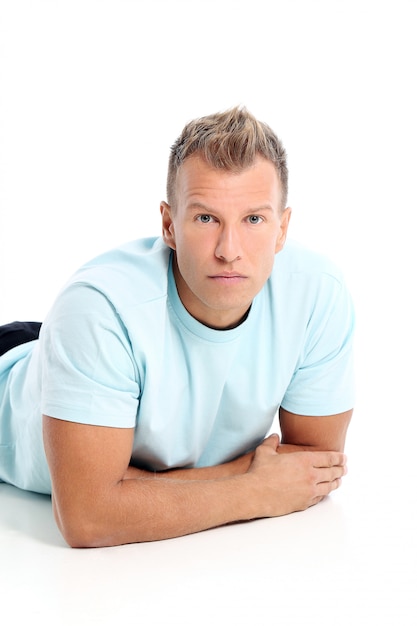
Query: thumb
[272, 442]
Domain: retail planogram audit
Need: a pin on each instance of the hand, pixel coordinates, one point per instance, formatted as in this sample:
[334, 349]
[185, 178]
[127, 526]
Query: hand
[293, 482]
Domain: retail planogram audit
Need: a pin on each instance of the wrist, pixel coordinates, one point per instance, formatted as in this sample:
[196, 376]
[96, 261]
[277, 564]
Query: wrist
[241, 464]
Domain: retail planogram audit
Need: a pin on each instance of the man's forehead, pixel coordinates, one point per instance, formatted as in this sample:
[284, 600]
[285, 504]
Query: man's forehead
[197, 180]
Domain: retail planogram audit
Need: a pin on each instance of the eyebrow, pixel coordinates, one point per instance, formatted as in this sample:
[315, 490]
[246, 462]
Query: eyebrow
[199, 206]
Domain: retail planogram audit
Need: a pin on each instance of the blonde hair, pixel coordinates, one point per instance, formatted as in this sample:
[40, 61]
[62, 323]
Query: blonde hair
[231, 141]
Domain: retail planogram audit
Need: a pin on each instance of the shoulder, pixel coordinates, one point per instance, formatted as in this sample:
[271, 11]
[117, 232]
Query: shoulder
[114, 288]
[306, 282]
[298, 259]
[130, 274]
[146, 258]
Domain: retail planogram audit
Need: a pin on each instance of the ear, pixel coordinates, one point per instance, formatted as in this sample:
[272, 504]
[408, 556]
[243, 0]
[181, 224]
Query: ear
[168, 232]
[282, 236]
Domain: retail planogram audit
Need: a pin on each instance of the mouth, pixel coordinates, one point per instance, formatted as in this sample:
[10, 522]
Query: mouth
[228, 275]
[228, 278]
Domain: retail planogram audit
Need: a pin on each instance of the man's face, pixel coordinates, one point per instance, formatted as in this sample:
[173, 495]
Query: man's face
[225, 229]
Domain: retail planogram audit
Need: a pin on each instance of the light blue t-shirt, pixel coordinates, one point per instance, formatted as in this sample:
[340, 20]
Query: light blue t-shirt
[119, 349]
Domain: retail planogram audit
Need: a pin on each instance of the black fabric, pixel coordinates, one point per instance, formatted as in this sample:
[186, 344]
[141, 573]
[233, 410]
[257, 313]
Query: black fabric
[14, 334]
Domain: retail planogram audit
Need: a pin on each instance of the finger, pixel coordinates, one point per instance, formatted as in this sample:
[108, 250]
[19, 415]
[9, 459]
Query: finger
[323, 489]
[330, 459]
[317, 500]
[329, 474]
[272, 441]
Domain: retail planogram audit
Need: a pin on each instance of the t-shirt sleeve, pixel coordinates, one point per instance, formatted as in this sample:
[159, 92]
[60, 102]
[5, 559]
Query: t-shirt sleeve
[323, 381]
[88, 371]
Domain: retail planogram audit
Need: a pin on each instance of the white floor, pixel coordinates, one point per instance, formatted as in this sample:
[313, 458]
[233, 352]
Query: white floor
[350, 560]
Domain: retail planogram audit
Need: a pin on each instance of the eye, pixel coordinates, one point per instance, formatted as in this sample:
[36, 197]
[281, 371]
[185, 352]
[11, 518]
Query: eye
[255, 219]
[204, 219]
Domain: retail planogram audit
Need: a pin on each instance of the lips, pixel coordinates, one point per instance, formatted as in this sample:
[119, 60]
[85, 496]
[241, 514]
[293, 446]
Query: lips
[228, 278]
[228, 275]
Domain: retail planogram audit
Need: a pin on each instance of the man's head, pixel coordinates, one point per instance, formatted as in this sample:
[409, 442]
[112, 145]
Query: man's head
[229, 141]
[226, 216]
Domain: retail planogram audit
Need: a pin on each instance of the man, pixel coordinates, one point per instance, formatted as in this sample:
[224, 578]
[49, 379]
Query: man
[162, 364]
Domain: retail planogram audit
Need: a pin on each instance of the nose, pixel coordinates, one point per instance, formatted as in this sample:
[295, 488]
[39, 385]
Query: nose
[228, 248]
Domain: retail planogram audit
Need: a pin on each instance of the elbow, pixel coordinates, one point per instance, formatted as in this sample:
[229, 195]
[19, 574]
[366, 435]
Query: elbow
[80, 533]
[79, 538]
[85, 535]
[80, 530]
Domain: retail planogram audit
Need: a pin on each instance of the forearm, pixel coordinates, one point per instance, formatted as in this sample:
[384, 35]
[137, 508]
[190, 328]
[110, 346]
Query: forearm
[236, 467]
[149, 509]
[148, 506]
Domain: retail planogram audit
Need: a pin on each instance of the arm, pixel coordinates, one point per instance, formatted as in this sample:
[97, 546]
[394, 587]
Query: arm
[95, 505]
[299, 433]
[303, 432]
[238, 466]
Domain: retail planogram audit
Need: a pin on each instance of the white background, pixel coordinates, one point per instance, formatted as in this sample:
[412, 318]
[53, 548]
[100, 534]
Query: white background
[92, 95]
